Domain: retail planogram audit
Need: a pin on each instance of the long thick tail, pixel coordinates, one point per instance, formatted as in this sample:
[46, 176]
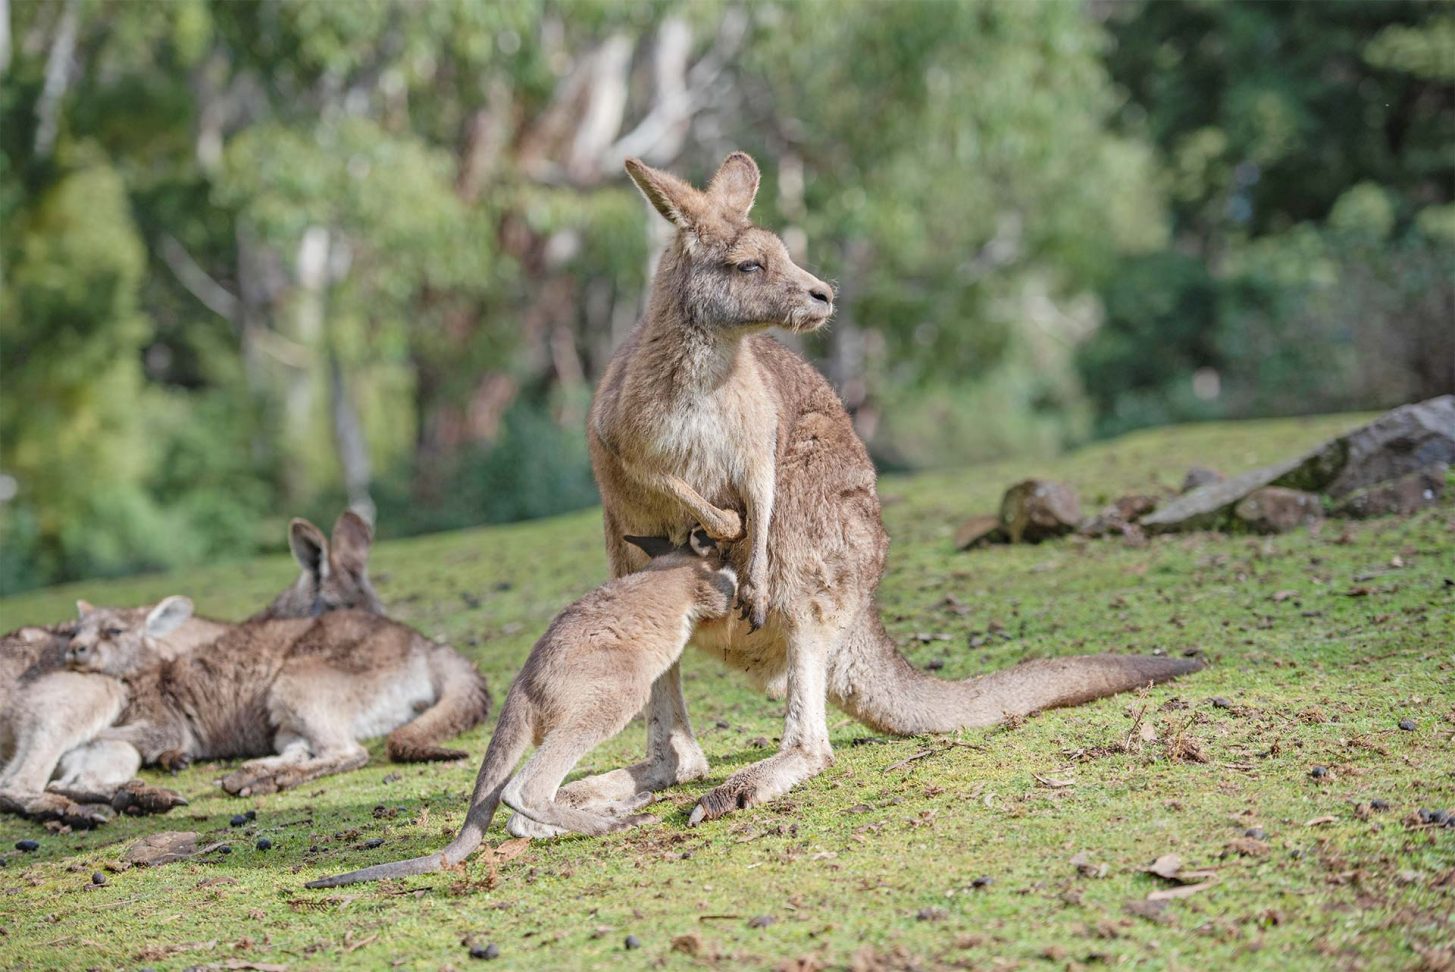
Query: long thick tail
[874, 683]
[507, 745]
[463, 703]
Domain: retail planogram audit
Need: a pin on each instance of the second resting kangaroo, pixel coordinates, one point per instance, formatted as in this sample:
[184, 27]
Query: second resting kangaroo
[698, 394]
[305, 690]
[589, 674]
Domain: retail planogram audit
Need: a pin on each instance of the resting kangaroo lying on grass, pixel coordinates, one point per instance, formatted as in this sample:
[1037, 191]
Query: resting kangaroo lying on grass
[49, 716]
[699, 395]
[590, 673]
[305, 690]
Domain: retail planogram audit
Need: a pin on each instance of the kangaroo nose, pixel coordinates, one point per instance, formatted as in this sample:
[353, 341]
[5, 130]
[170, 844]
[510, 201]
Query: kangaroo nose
[820, 294]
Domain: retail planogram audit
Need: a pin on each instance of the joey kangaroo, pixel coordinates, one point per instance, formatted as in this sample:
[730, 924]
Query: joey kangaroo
[698, 394]
[299, 693]
[49, 716]
[589, 674]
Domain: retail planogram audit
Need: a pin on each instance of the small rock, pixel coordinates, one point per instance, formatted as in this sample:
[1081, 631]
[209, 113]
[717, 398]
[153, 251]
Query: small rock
[761, 921]
[264, 844]
[1255, 833]
[1218, 702]
[238, 820]
[373, 842]
[759, 742]
[931, 914]
[1397, 497]
[98, 879]
[251, 815]
[1274, 509]
[632, 942]
[225, 849]
[978, 531]
[1200, 476]
[1378, 804]
[29, 846]
[1038, 509]
[1319, 772]
[982, 882]
[1408, 725]
[486, 952]
[1440, 817]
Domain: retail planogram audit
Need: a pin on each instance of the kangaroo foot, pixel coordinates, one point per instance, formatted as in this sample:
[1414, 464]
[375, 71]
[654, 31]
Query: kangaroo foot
[762, 781]
[263, 776]
[56, 806]
[137, 798]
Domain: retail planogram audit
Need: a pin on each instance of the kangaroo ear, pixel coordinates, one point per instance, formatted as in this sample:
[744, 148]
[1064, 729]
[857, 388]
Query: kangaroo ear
[736, 184]
[84, 608]
[168, 616]
[32, 635]
[701, 544]
[673, 198]
[652, 546]
[309, 547]
[352, 538]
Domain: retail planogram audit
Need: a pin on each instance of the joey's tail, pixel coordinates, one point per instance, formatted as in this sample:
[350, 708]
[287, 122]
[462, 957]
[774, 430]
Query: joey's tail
[463, 703]
[873, 682]
[507, 746]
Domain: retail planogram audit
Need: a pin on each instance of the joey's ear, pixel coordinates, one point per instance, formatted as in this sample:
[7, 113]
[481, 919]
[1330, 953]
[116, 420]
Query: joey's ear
[84, 608]
[673, 198]
[652, 546]
[352, 538]
[168, 616]
[701, 544]
[309, 547]
[736, 184]
[33, 635]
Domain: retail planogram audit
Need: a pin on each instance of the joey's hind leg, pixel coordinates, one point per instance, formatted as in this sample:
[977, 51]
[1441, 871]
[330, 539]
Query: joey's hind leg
[673, 756]
[532, 792]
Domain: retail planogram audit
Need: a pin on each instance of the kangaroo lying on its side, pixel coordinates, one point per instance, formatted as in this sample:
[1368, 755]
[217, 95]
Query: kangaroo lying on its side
[590, 673]
[49, 716]
[699, 394]
[305, 690]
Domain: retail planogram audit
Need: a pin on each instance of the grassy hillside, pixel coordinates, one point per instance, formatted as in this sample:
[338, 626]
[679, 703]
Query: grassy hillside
[931, 852]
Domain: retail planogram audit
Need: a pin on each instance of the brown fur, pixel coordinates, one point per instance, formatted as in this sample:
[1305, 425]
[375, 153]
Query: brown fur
[49, 716]
[585, 678]
[697, 395]
[304, 689]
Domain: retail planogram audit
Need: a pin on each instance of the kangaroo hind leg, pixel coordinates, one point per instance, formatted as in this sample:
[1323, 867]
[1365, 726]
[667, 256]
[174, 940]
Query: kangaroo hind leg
[532, 793]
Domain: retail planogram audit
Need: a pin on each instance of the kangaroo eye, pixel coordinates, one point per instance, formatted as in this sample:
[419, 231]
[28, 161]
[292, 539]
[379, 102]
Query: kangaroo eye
[750, 266]
[114, 632]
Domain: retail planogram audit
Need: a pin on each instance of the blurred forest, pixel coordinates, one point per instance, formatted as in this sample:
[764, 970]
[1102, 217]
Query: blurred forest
[265, 258]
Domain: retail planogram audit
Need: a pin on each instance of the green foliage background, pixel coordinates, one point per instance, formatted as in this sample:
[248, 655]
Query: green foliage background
[263, 258]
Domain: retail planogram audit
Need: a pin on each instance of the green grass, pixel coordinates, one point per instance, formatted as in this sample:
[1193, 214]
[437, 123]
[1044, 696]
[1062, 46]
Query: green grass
[874, 865]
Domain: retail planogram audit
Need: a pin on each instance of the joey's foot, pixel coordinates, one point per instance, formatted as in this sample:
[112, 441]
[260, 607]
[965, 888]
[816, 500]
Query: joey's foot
[137, 798]
[522, 826]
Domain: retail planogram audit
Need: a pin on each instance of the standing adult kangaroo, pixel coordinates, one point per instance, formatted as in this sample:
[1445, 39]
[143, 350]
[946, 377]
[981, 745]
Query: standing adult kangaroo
[701, 417]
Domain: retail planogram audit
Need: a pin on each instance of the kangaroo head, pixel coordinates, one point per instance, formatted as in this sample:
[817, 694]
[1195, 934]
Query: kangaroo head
[721, 270]
[715, 582]
[121, 642]
[334, 575]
